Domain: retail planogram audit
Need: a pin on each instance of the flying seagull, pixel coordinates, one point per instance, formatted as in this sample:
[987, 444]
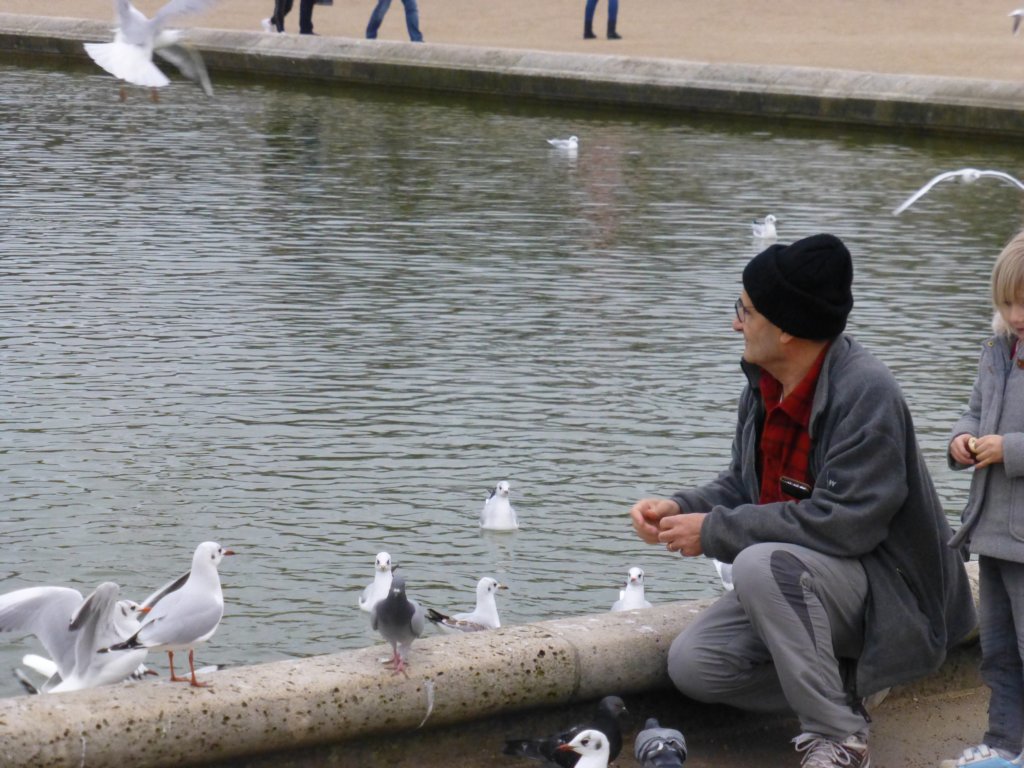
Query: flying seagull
[136, 38]
[1016, 19]
[72, 630]
[964, 176]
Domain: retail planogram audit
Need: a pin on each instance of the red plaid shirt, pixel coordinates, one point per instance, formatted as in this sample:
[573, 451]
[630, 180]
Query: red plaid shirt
[785, 441]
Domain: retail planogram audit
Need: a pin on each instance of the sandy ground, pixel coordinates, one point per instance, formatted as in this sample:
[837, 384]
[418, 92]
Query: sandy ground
[960, 38]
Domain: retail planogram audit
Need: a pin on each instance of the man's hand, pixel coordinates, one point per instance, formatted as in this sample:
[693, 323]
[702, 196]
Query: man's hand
[988, 449]
[646, 515]
[962, 448]
[681, 533]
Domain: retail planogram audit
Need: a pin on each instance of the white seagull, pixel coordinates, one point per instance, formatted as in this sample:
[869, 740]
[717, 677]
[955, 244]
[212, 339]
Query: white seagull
[964, 175]
[73, 630]
[498, 514]
[185, 613]
[136, 38]
[571, 144]
[591, 746]
[764, 229]
[484, 616]
[632, 597]
[378, 589]
[1016, 19]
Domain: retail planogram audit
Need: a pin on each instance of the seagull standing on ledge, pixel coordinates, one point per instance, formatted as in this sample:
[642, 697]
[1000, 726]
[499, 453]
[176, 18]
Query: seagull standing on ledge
[185, 613]
[484, 616]
[137, 38]
[381, 585]
[964, 176]
[632, 597]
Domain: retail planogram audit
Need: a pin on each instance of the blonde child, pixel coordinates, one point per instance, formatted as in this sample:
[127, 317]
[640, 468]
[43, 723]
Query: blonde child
[990, 438]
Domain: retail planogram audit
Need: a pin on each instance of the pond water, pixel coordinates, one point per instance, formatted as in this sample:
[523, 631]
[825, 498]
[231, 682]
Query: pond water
[315, 323]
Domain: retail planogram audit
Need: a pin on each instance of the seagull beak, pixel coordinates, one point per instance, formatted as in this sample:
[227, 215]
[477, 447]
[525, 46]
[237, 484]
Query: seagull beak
[229, 551]
[564, 748]
[502, 586]
[145, 609]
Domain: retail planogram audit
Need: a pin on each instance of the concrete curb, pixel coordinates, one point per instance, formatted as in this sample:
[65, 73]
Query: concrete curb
[328, 699]
[829, 95]
[307, 703]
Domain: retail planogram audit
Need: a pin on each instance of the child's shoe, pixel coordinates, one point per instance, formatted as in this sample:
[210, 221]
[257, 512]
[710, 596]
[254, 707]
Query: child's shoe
[984, 756]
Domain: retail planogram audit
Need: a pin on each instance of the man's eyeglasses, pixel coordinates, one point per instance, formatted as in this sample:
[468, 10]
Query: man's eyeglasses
[742, 311]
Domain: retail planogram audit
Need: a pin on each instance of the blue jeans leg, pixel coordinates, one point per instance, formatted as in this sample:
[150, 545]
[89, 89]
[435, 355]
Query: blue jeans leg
[1001, 621]
[613, 11]
[376, 18]
[588, 13]
[412, 20]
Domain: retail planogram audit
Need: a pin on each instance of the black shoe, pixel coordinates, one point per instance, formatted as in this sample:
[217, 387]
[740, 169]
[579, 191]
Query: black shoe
[588, 32]
[612, 34]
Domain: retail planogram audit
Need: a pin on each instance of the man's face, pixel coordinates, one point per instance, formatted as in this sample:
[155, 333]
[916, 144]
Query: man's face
[761, 342]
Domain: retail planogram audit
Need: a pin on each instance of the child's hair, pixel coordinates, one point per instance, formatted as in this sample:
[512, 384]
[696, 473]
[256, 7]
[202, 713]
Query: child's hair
[1008, 281]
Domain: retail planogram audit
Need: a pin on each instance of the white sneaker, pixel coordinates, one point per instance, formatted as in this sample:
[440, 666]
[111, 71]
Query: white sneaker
[267, 26]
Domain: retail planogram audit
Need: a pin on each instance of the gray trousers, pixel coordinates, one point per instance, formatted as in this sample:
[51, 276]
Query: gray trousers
[773, 644]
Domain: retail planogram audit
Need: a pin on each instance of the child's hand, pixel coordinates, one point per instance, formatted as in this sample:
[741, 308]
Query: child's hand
[988, 450]
[960, 448]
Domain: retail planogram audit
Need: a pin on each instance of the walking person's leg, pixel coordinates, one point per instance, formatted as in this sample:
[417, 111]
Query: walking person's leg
[613, 16]
[376, 18]
[306, 16]
[588, 20]
[412, 21]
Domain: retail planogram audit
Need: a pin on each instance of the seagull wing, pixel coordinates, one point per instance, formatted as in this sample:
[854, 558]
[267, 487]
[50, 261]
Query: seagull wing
[1005, 177]
[176, 8]
[1016, 19]
[189, 63]
[165, 590]
[924, 190]
[46, 613]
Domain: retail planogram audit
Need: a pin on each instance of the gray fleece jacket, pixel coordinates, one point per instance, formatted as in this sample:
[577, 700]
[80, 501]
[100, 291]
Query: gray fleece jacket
[873, 499]
[993, 519]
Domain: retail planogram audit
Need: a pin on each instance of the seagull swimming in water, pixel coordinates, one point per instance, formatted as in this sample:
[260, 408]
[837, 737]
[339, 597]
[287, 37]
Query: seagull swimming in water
[484, 616]
[136, 38]
[571, 144]
[764, 229]
[964, 176]
[632, 597]
[381, 585]
[498, 513]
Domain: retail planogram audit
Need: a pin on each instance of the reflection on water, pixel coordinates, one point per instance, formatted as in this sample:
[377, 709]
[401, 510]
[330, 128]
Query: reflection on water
[316, 324]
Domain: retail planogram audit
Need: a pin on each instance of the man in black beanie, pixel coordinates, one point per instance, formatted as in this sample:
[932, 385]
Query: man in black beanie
[842, 583]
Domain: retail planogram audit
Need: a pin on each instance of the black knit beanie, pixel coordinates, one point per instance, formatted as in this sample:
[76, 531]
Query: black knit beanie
[803, 288]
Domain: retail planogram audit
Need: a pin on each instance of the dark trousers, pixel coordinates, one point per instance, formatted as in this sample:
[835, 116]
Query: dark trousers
[283, 7]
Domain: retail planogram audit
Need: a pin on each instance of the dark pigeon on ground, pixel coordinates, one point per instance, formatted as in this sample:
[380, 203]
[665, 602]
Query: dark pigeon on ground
[399, 621]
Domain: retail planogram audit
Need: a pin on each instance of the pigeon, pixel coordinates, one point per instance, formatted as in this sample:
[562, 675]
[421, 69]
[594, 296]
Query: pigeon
[657, 747]
[964, 175]
[136, 38]
[378, 590]
[498, 514]
[606, 720]
[73, 630]
[592, 748]
[571, 144]
[764, 229]
[484, 616]
[399, 621]
[632, 597]
[184, 613]
[1016, 19]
